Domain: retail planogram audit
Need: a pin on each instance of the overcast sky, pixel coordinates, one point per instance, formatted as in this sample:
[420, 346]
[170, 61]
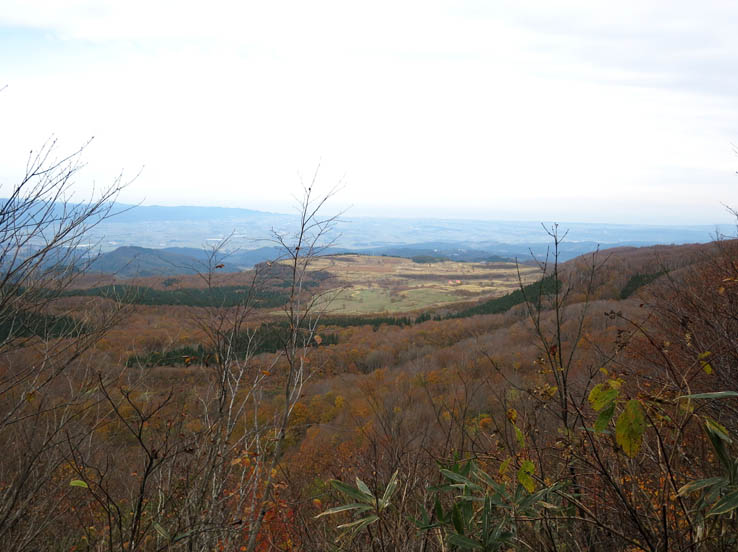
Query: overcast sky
[577, 111]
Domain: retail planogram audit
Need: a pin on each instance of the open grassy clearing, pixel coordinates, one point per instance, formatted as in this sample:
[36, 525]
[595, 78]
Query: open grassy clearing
[393, 285]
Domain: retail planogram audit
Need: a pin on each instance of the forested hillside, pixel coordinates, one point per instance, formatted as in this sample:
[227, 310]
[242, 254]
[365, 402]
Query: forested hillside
[326, 402]
[591, 406]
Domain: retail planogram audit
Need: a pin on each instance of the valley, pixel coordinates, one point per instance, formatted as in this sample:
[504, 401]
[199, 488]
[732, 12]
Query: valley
[380, 367]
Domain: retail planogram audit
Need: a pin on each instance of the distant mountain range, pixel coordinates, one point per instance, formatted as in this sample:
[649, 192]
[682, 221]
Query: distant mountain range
[134, 261]
[153, 240]
[131, 261]
[142, 213]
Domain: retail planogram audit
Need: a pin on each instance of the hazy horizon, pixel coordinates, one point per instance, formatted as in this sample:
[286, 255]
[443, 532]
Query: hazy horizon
[576, 111]
[282, 208]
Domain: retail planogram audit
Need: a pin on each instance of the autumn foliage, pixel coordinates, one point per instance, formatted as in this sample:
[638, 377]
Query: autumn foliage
[597, 411]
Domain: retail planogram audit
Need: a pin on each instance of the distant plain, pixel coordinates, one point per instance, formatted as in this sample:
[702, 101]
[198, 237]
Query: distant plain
[374, 284]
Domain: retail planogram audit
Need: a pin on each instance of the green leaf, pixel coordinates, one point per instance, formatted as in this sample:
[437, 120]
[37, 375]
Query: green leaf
[181, 536]
[717, 429]
[423, 523]
[714, 395]
[453, 476]
[344, 508]
[351, 491]
[457, 519]
[465, 543]
[359, 524]
[519, 436]
[707, 368]
[439, 509]
[390, 489]
[78, 483]
[485, 478]
[363, 487]
[604, 417]
[700, 484]
[718, 436]
[629, 428]
[726, 504]
[524, 475]
[162, 532]
[601, 396]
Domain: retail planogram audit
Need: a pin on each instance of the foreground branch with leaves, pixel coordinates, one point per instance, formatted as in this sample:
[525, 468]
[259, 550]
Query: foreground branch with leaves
[626, 445]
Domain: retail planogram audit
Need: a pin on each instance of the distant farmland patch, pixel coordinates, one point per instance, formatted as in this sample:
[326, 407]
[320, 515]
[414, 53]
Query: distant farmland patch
[376, 284]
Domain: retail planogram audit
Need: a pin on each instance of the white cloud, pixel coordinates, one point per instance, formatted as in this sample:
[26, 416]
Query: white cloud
[421, 105]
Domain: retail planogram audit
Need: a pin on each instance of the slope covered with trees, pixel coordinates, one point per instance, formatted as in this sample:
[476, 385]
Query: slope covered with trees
[595, 409]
